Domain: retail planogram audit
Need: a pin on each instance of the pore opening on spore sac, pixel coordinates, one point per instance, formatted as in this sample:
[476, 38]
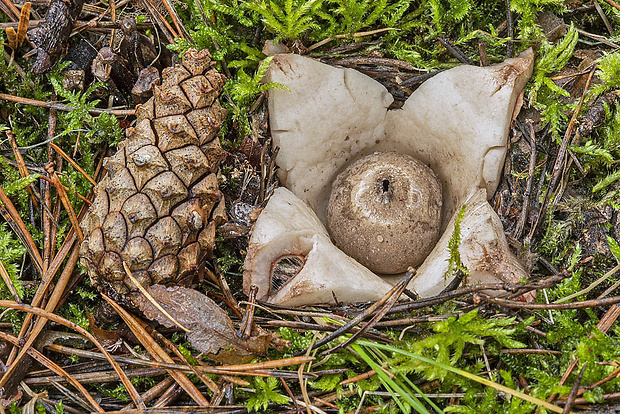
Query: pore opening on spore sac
[386, 185]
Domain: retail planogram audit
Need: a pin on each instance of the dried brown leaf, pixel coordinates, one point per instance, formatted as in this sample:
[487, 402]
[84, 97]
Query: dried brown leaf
[210, 327]
[107, 338]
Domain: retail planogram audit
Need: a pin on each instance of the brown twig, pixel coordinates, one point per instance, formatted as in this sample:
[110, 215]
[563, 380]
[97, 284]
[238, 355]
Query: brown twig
[435, 300]
[62, 282]
[530, 352]
[65, 108]
[482, 51]
[10, 214]
[161, 21]
[47, 280]
[344, 36]
[71, 325]
[65, 201]
[359, 377]
[175, 350]
[78, 195]
[573, 391]
[177, 22]
[359, 318]
[306, 326]
[9, 283]
[455, 51]
[586, 304]
[613, 4]
[374, 61]
[511, 30]
[21, 165]
[73, 163]
[97, 377]
[55, 368]
[247, 322]
[559, 161]
[14, 11]
[258, 369]
[158, 353]
[396, 292]
[153, 392]
[421, 319]
[530, 182]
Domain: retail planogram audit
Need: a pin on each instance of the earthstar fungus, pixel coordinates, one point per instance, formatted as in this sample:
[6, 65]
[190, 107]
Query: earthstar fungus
[456, 123]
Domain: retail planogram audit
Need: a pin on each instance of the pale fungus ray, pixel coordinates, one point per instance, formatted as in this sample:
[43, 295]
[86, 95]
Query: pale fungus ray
[325, 122]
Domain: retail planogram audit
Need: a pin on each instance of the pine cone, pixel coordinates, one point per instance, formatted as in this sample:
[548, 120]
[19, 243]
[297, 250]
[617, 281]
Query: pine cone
[157, 207]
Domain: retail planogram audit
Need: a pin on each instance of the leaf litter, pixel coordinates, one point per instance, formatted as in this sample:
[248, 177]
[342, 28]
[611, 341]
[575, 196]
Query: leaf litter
[570, 348]
[210, 328]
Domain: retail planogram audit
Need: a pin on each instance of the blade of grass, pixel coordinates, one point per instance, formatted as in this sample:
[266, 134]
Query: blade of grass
[390, 384]
[468, 375]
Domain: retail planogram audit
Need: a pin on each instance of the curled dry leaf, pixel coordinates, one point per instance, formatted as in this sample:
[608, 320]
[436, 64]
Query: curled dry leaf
[211, 330]
[107, 338]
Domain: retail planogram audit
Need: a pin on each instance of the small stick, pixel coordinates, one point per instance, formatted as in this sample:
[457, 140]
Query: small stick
[158, 353]
[603, 17]
[434, 300]
[9, 283]
[359, 377]
[161, 21]
[455, 51]
[613, 4]
[169, 396]
[353, 322]
[55, 368]
[230, 299]
[511, 29]
[14, 10]
[482, 51]
[47, 196]
[247, 322]
[97, 377]
[586, 304]
[44, 285]
[419, 78]
[410, 321]
[375, 61]
[72, 325]
[259, 368]
[21, 165]
[395, 294]
[183, 34]
[65, 201]
[559, 161]
[10, 214]
[573, 391]
[61, 107]
[530, 182]
[152, 299]
[73, 163]
[61, 284]
[530, 351]
[343, 36]
[175, 350]
[153, 392]
[325, 328]
[80, 196]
